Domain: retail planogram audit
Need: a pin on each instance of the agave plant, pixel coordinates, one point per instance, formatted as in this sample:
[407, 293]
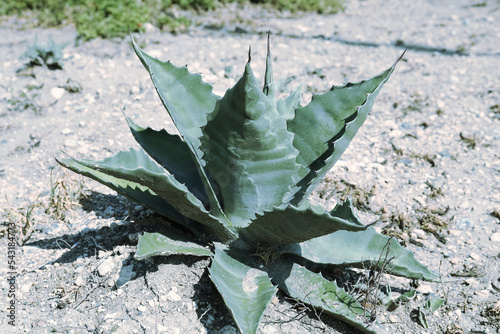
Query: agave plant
[239, 176]
[49, 55]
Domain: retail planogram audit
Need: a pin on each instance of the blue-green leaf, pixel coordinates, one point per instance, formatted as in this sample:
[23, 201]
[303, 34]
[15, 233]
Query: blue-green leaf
[289, 225]
[136, 167]
[136, 192]
[362, 249]
[188, 100]
[324, 128]
[173, 154]
[249, 151]
[246, 290]
[152, 244]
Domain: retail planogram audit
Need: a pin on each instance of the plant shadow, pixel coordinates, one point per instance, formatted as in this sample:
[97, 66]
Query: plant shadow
[93, 242]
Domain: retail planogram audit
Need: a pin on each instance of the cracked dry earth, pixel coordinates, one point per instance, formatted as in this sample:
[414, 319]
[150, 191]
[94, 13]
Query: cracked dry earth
[425, 164]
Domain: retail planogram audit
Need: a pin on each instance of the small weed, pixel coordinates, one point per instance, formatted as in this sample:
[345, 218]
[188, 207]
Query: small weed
[342, 190]
[428, 219]
[24, 101]
[469, 270]
[454, 329]
[398, 227]
[397, 151]
[46, 55]
[71, 86]
[495, 109]
[435, 191]
[23, 218]
[63, 197]
[65, 194]
[430, 158]
[493, 313]
[417, 104]
[470, 142]
[33, 143]
[368, 292]
[431, 221]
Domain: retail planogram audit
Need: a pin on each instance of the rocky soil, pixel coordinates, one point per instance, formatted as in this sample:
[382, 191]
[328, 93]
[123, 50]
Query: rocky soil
[425, 164]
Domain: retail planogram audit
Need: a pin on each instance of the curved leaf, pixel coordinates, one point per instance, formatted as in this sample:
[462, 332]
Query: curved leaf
[361, 249]
[188, 101]
[173, 154]
[246, 290]
[136, 167]
[324, 128]
[153, 244]
[186, 97]
[290, 225]
[313, 289]
[249, 151]
[136, 192]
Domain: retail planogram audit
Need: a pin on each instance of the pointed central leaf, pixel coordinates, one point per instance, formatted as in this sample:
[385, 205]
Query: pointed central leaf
[249, 151]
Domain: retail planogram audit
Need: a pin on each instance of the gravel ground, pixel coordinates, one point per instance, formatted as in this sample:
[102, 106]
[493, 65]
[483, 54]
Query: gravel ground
[425, 164]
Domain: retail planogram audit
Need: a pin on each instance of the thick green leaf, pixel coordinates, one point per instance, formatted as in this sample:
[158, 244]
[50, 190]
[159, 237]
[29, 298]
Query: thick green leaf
[136, 192]
[173, 154]
[136, 167]
[287, 106]
[152, 244]
[188, 100]
[249, 151]
[186, 97]
[246, 290]
[290, 225]
[361, 249]
[313, 289]
[324, 128]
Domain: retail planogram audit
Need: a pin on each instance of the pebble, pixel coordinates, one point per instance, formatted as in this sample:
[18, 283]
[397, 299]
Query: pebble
[173, 296]
[106, 266]
[483, 294]
[495, 237]
[474, 256]
[79, 281]
[57, 92]
[70, 143]
[425, 289]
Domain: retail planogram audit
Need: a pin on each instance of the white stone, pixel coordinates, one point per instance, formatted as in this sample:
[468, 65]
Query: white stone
[57, 92]
[495, 237]
[474, 256]
[483, 294]
[425, 288]
[79, 281]
[70, 143]
[66, 131]
[106, 267]
[173, 296]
